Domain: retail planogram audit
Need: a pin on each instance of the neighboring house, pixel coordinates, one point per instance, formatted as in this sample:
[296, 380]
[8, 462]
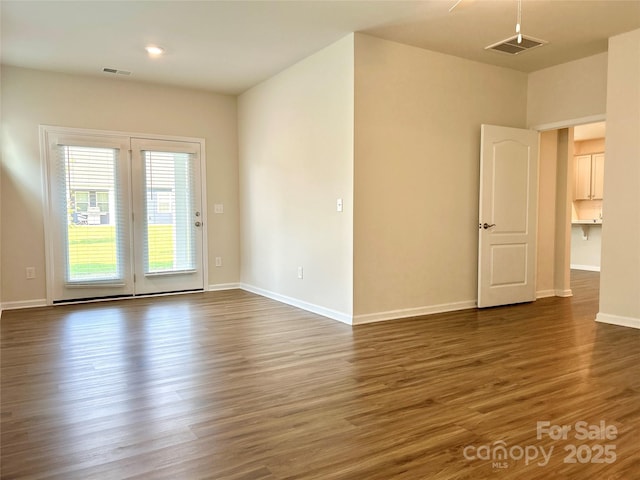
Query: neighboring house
[160, 206]
[90, 207]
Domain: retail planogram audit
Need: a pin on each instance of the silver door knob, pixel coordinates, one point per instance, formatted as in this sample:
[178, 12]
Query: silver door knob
[198, 224]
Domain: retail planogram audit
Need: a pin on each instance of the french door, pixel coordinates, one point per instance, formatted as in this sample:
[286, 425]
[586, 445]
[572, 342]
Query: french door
[124, 215]
[167, 213]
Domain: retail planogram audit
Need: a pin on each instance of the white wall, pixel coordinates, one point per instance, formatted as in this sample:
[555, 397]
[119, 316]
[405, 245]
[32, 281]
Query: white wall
[547, 191]
[564, 195]
[570, 91]
[296, 159]
[417, 150]
[585, 252]
[1, 170]
[31, 97]
[620, 269]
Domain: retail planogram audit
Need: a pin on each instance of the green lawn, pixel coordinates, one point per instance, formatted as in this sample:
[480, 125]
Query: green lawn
[161, 247]
[92, 249]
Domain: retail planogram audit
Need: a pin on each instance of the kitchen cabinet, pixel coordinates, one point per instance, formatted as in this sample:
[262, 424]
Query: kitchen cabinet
[589, 176]
[597, 176]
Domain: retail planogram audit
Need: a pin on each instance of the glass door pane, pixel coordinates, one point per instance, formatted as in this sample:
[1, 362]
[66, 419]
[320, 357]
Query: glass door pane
[88, 203]
[94, 244]
[167, 209]
[169, 243]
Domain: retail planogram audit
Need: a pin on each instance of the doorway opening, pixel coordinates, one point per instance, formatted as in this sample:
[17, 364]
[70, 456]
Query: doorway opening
[588, 196]
[572, 160]
[124, 214]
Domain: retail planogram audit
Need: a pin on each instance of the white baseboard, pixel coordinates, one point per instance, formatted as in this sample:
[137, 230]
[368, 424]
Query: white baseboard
[564, 293]
[618, 320]
[361, 319]
[42, 302]
[412, 312]
[554, 293]
[310, 307]
[223, 286]
[589, 268]
[39, 302]
[545, 293]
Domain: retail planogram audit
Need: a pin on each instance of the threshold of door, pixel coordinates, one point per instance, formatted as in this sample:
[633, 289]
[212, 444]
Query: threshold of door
[110, 298]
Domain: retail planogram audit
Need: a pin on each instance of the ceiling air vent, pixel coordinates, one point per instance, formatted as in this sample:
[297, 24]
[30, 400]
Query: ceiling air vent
[511, 46]
[115, 71]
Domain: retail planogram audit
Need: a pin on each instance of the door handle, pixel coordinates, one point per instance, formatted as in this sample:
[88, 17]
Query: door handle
[485, 225]
[198, 224]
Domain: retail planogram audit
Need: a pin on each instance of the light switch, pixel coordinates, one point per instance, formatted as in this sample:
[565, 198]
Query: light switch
[339, 205]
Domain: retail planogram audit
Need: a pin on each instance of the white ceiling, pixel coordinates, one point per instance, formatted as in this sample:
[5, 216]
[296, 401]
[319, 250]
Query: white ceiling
[229, 46]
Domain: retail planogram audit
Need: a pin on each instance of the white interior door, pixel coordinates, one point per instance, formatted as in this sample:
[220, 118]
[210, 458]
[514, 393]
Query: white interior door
[508, 216]
[168, 216]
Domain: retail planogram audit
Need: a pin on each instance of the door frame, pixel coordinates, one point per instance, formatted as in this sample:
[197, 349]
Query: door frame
[563, 288]
[44, 132]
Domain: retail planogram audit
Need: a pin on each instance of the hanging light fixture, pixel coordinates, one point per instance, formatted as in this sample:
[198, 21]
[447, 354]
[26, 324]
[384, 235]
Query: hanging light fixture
[519, 42]
[519, 21]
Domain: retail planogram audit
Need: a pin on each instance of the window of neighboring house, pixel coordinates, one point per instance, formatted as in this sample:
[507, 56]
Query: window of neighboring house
[164, 202]
[102, 201]
[82, 201]
[87, 199]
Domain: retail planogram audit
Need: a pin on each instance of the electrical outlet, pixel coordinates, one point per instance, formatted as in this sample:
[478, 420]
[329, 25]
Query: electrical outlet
[218, 208]
[300, 273]
[218, 261]
[31, 272]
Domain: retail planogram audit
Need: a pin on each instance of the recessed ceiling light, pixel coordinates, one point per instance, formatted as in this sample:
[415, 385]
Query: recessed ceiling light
[154, 50]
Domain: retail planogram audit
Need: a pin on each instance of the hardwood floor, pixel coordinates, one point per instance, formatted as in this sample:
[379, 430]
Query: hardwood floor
[230, 385]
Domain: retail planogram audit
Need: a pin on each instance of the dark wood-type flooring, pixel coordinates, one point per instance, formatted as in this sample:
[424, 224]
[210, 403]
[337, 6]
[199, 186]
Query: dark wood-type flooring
[230, 385]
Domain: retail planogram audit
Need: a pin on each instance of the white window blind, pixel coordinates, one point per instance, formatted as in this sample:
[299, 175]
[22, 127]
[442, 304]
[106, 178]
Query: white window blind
[169, 213]
[89, 203]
